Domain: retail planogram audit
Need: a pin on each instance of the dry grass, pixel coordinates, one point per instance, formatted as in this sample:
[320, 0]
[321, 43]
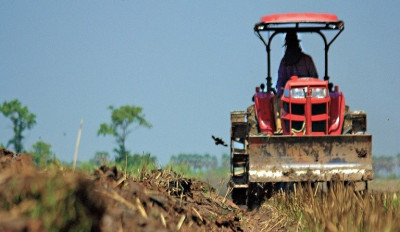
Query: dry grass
[340, 209]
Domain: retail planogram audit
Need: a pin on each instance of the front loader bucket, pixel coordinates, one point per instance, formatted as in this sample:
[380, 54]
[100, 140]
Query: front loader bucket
[310, 158]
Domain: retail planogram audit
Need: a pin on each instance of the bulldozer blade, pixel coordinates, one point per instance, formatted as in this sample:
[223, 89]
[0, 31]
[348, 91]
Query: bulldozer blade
[310, 158]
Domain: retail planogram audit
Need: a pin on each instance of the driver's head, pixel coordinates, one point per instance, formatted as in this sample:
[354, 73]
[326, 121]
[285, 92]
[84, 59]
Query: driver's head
[291, 39]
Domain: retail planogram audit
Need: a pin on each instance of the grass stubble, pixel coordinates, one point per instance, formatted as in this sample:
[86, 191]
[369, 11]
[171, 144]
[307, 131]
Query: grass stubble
[338, 209]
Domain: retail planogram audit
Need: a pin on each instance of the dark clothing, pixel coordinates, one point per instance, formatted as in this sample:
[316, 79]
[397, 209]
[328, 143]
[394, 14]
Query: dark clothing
[294, 63]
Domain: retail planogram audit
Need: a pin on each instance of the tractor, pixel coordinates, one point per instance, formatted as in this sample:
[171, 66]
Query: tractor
[322, 141]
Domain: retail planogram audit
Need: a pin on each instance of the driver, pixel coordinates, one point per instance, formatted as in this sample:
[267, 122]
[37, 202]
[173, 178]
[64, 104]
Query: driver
[293, 63]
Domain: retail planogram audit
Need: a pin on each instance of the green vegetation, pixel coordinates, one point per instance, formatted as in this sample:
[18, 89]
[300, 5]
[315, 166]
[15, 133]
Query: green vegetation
[21, 119]
[133, 165]
[42, 154]
[203, 167]
[122, 119]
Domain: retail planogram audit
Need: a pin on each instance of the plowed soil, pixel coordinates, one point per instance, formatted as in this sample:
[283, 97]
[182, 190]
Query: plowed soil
[59, 199]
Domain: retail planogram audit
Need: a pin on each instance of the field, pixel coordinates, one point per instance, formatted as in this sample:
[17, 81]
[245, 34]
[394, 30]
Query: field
[57, 198]
[385, 185]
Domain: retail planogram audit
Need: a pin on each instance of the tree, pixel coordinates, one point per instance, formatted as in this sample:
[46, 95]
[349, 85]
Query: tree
[122, 119]
[21, 118]
[42, 153]
[100, 158]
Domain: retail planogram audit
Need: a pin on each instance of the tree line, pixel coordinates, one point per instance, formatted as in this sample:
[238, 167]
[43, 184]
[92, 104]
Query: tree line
[197, 162]
[386, 166]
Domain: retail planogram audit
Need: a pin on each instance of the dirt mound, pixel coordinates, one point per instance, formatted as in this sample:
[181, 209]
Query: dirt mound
[56, 199]
[164, 201]
[45, 200]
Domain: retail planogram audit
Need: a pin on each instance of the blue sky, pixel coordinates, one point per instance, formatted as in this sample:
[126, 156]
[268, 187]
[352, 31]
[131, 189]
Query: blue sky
[187, 63]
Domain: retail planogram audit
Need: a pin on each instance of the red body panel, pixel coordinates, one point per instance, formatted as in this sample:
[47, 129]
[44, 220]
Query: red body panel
[336, 113]
[298, 115]
[302, 116]
[265, 112]
[299, 17]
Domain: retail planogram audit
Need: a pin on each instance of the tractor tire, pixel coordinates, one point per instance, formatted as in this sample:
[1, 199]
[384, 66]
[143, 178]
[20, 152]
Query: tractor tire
[239, 196]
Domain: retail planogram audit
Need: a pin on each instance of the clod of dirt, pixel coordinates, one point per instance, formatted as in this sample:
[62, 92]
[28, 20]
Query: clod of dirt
[5, 152]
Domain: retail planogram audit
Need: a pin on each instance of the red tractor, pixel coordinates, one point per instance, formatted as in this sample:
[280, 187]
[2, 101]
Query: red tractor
[322, 140]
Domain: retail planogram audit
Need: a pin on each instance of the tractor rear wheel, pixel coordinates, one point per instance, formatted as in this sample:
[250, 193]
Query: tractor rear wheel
[239, 196]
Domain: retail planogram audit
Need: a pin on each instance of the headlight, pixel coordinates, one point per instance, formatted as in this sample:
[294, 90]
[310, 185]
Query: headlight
[298, 93]
[318, 93]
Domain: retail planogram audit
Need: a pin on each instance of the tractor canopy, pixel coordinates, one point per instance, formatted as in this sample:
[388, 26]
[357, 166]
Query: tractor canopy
[303, 21]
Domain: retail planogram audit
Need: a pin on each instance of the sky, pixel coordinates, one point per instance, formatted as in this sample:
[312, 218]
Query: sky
[188, 64]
